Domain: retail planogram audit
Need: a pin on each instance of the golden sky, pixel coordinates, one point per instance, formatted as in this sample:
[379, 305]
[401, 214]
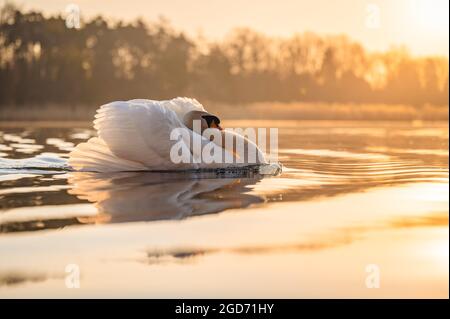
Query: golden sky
[421, 25]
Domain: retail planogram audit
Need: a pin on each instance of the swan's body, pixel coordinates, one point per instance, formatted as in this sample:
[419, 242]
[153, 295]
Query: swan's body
[135, 135]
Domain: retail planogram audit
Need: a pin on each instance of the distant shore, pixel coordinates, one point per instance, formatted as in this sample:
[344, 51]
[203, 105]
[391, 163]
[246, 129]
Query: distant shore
[335, 112]
[263, 111]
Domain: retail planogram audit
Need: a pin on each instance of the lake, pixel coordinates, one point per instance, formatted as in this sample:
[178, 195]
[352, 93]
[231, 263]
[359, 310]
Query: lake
[360, 210]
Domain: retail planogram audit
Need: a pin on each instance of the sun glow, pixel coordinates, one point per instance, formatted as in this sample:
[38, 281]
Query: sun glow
[431, 16]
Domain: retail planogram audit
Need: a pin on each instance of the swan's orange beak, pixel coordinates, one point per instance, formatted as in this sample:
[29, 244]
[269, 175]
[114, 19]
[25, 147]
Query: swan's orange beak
[215, 125]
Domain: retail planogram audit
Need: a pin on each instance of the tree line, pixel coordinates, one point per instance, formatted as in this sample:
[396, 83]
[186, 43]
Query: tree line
[44, 61]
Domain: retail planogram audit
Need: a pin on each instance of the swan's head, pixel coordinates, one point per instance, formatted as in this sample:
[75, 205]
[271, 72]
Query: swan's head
[206, 119]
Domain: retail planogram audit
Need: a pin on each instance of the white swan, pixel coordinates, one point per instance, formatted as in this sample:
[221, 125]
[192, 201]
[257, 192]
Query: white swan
[136, 135]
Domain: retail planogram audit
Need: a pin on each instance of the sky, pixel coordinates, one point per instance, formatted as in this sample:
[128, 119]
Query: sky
[420, 25]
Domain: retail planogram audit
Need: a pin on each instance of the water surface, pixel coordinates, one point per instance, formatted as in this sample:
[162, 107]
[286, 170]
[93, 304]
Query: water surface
[352, 196]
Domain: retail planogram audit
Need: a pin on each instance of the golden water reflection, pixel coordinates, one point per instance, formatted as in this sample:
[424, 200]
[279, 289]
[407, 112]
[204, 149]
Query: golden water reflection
[349, 197]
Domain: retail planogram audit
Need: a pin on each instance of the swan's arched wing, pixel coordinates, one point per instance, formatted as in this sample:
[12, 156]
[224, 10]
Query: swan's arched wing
[95, 156]
[182, 105]
[138, 131]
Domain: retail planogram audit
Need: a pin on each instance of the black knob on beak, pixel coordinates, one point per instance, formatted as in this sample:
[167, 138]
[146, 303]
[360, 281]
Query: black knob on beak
[212, 121]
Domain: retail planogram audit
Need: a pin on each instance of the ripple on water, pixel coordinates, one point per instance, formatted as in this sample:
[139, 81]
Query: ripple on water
[41, 161]
[326, 171]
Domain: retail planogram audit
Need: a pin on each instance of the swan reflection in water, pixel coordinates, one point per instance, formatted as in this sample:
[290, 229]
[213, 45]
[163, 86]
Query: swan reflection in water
[137, 196]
